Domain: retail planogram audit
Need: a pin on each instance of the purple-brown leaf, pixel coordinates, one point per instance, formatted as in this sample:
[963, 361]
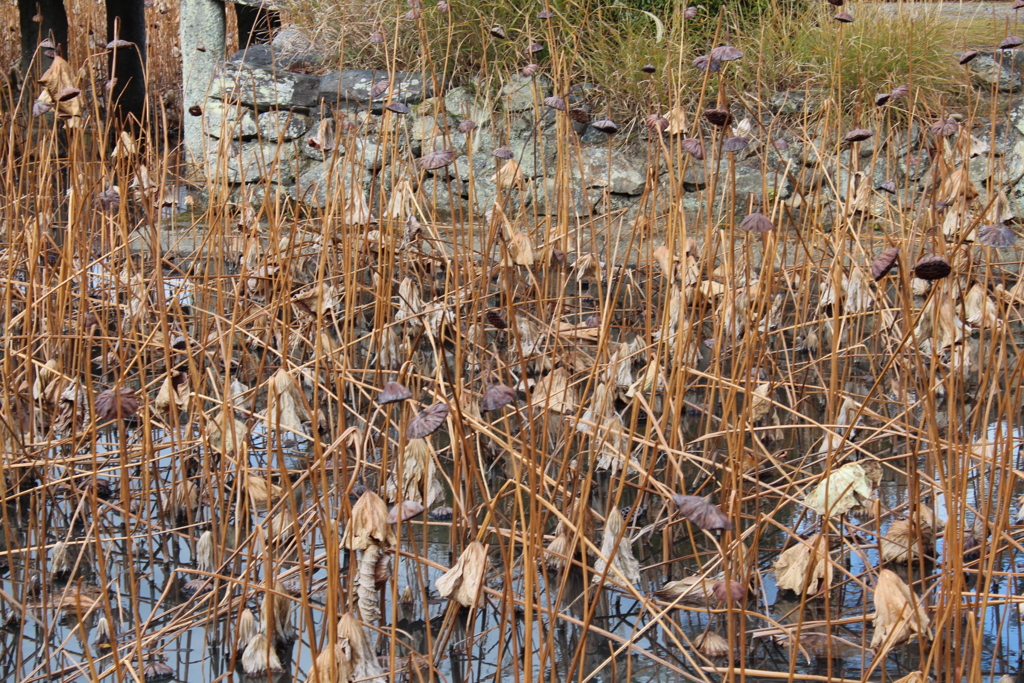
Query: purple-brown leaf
[702, 512]
[393, 392]
[114, 403]
[427, 422]
[497, 396]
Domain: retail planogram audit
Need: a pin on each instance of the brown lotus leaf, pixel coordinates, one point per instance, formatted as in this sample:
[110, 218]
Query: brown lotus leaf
[427, 422]
[702, 512]
[496, 397]
[729, 591]
[899, 614]
[805, 567]
[757, 222]
[435, 160]
[884, 263]
[711, 644]
[393, 392]
[462, 583]
[116, 403]
[368, 525]
[616, 549]
[932, 268]
[406, 511]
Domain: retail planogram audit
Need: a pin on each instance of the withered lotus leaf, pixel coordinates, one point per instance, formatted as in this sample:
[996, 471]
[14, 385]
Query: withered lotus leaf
[393, 392]
[858, 134]
[463, 581]
[998, 235]
[496, 397]
[702, 512]
[718, 117]
[406, 511]
[427, 422]
[884, 263]
[693, 147]
[726, 53]
[606, 126]
[757, 222]
[968, 56]
[436, 160]
[729, 591]
[554, 102]
[932, 268]
[1010, 42]
[734, 144]
[114, 403]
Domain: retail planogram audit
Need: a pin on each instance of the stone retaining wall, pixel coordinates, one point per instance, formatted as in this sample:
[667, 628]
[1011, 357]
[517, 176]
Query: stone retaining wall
[356, 134]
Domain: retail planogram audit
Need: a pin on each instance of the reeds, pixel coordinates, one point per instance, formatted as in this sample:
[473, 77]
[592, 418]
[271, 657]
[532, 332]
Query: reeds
[790, 412]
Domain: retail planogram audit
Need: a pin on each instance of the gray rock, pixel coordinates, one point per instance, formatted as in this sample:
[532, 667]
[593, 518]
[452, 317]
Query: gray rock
[463, 103]
[544, 197]
[592, 136]
[351, 89]
[789, 102]
[999, 69]
[617, 171]
[267, 56]
[521, 92]
[334, 178]
[912, 167]
[249, 162]
[282, 125]
[443, 196]
[265, 87]
[228, 120]
[203, 28]
[536, 156]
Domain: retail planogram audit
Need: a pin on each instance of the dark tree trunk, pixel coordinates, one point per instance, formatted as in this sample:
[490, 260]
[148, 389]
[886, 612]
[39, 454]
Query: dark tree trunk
[255, 25]
[126, 19]
[54, 19]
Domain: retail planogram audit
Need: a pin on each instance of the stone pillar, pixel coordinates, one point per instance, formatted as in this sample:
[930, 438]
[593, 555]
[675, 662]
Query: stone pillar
[203, 43]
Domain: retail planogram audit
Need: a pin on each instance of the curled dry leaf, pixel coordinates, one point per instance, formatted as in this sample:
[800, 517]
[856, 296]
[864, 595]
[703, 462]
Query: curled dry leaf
[616, 549]
[757, 222]
[899, 614]
[844, 489]
[427, 422]
[467, 126]
[932, 268]
[175, 391]
[735, 144]
[1010, 42]
[844, 18]
[707, 63]
[693, 147]
[729, 592]
[404, 512]
[393, 392]
[690, 590]
[718, 117]
[369, 524]
[805, 567]
[711, 644]
[556, 103]
[726, 53]
[702, 512]
[436, 160]
[606, 126]
[884, 263]
[116, 403]
[858, 135]
[496, 397]
[463, 581]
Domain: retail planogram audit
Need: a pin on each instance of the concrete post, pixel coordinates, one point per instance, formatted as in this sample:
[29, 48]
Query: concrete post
[203, 45]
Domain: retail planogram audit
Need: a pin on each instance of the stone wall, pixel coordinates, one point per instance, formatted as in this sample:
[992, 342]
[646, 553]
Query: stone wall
[354, 135]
